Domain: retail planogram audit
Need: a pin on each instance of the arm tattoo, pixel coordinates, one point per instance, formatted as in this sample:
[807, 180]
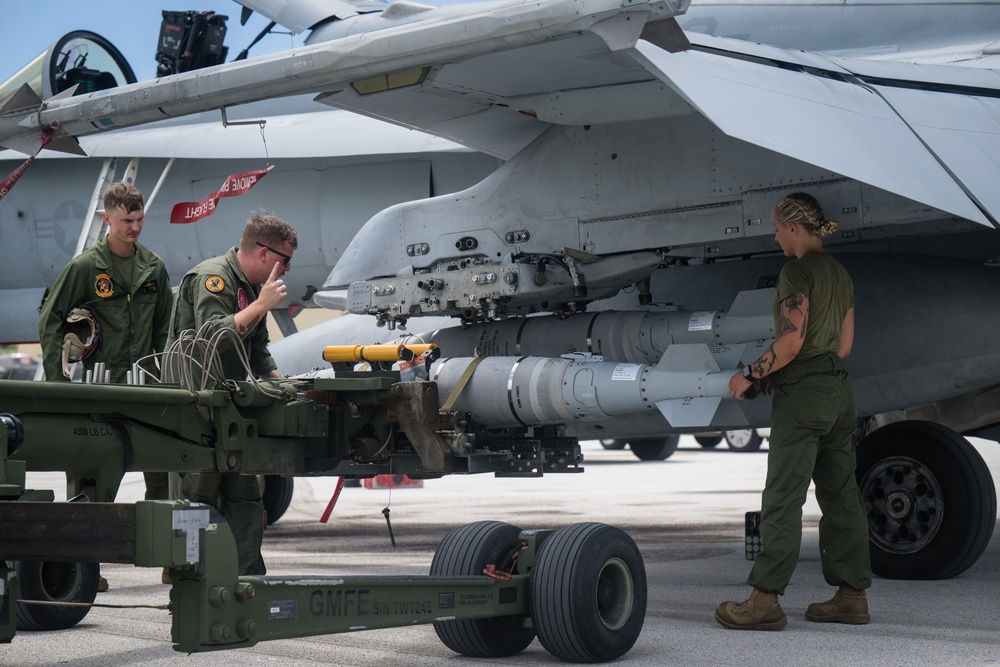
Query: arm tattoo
[763, 366]
[793, 304]
[245, 330]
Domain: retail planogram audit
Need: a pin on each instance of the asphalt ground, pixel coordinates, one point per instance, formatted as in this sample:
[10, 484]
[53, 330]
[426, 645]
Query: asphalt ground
[685, 513]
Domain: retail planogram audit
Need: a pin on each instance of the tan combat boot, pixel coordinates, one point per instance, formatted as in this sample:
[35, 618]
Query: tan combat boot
[847, 606]
[760, 611]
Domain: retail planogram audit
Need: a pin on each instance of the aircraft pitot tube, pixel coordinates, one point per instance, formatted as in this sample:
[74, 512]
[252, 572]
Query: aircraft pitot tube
[688, 386]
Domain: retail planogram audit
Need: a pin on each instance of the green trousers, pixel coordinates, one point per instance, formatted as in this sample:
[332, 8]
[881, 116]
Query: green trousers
[237, 497]
[812, 437]
[157, 487]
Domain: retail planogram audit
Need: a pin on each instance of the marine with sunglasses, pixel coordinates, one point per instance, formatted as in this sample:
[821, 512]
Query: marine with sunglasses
[236, 291]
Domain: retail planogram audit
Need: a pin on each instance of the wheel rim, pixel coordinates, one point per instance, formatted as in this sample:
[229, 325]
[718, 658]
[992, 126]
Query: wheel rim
[614, 594]
[739, 438]
[904, 503]
[60, 581]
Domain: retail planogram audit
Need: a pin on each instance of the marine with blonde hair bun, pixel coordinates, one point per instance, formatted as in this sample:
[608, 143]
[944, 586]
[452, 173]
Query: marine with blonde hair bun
[812, 430]
[803, 209]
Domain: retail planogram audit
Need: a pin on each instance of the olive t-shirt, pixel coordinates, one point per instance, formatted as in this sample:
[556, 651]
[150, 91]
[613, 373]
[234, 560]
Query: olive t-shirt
[827, 285]
[126, 265]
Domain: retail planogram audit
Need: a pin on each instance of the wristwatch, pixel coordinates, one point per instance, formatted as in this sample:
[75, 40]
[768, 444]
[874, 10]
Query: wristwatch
[748, 374]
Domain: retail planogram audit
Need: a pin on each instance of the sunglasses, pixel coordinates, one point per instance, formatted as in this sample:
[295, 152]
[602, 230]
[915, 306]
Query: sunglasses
[288, 258]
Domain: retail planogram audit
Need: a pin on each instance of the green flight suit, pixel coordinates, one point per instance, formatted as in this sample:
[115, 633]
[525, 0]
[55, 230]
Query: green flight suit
[213, 292]
[134, 318]
[812, 437]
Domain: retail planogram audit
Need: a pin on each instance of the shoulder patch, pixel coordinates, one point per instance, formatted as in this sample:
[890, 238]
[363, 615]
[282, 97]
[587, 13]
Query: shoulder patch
[103, 287]
[215, 284]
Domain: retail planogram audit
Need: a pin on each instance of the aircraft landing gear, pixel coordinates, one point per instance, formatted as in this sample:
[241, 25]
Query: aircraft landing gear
[646, 449]
[744, 440]
[930, 500]
[708, 441]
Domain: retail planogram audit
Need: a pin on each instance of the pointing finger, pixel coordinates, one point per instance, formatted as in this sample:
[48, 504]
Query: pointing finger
[274, 272]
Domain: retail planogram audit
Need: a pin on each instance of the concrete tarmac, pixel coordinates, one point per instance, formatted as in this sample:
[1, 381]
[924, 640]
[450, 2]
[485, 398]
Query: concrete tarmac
[685, 513]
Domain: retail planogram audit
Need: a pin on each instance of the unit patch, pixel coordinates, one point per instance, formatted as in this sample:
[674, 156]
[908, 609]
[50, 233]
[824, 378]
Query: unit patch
[241, 299]
[215, 284]
[103, 286]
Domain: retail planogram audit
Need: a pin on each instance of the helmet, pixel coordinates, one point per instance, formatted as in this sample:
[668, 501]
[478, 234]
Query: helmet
[82, 335]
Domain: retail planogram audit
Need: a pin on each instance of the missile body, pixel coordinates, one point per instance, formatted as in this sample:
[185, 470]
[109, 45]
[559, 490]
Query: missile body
[636, 336]
[687, 386]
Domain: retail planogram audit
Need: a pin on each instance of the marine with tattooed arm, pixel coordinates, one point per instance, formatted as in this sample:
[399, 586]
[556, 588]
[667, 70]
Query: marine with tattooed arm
[812, 430]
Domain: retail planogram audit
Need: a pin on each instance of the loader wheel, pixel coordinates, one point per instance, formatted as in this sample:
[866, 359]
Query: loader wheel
[466, 551]
[930, 501]
[588, 593]
[277, 496]
[54, 582]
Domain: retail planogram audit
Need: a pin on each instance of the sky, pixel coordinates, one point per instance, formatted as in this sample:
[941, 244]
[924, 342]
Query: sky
[131, 25]
[26, 28]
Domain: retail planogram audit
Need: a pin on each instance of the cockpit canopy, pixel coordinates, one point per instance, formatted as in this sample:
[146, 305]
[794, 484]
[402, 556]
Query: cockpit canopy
[79, 57]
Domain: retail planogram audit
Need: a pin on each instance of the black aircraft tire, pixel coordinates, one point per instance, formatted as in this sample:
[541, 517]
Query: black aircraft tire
[708, 441]
[654, 449]
[277, 496]
[466, 551]
[930, 501]
[744, 440]
[588, 593]
[54, 582]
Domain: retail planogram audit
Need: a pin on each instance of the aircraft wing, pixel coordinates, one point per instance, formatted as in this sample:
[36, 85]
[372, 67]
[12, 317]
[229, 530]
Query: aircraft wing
[493, 79]
[303, 14]
[319, 134]
[405, 52]
[930, 133]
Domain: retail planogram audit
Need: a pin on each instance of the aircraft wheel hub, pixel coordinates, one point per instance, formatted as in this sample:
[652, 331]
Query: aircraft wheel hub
[904, 503]
[898, 505]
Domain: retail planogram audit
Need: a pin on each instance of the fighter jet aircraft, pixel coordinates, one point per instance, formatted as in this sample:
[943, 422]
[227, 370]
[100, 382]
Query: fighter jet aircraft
[332, 169]
[625, 243]
[644, 199]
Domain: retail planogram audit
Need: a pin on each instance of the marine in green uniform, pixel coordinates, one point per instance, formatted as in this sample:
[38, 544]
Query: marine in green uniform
[812, 431]
[127, 289]
[236, 291]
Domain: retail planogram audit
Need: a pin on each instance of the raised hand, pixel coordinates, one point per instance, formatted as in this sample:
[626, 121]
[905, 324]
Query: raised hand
[274, 291]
